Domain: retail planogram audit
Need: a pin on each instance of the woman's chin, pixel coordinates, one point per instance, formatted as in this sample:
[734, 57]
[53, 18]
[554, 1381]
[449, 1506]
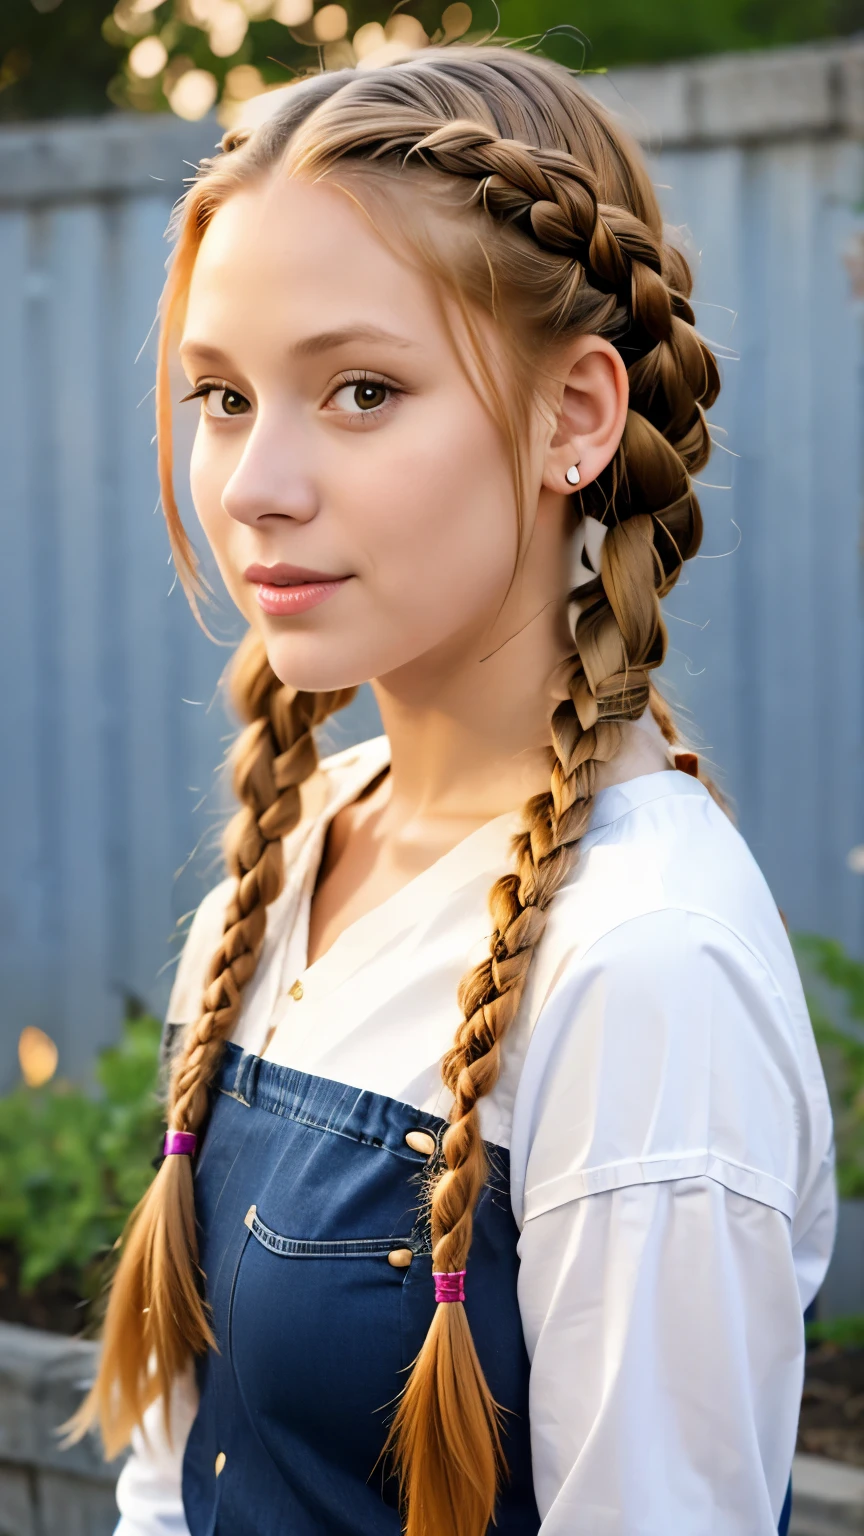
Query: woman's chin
[323, 662]
[315, 669]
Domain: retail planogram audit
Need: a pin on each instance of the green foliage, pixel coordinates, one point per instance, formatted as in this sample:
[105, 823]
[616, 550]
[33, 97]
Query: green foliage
[60, 57]
[845, 1332]
[624, 32]
[834, 984]
[54, 63]
[73, 1164]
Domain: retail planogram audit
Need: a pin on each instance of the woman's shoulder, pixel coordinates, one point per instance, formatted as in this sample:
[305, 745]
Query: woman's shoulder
[662, 844]
[669, 1031]
[667, 903]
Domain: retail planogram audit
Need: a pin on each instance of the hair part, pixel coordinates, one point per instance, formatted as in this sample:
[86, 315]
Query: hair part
[527, 204]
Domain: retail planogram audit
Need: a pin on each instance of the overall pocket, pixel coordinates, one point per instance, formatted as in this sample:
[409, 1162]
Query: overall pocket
[314, 1339]
[337, 1248]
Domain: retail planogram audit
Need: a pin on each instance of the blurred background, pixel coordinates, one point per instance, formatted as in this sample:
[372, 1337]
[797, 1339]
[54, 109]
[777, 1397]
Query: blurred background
[752, 113]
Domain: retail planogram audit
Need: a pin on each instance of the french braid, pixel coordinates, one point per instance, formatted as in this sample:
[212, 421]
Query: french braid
[560, 234]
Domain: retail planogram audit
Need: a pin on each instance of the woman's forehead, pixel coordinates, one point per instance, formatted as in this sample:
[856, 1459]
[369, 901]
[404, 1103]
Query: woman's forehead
[292, 259]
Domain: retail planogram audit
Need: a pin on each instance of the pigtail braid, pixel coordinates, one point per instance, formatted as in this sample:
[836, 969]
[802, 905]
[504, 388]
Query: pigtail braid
[157, 1277]
[446, 1437]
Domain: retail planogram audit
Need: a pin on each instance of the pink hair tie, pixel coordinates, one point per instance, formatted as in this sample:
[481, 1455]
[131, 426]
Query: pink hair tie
[180, 1143]
[450, 1285]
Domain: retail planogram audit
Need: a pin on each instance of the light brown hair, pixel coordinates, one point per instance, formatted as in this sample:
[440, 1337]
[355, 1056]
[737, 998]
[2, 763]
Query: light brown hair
[500, 176]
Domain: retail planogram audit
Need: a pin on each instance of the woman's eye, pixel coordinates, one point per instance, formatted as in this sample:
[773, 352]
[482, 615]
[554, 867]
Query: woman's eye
[362, 397]
[224, 402]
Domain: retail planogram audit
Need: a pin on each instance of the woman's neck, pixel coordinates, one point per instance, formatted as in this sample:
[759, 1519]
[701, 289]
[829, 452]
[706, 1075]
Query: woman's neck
[460, 768]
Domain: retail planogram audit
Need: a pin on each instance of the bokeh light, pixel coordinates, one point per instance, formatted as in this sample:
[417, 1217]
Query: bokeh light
[194, 94]
[37, 1056]
[228, 29]
[148, 58]
[243, 81]
[292, 13]
[455, 20]
[130, 19]
[367, 38]
[408, 31]
[330, 23]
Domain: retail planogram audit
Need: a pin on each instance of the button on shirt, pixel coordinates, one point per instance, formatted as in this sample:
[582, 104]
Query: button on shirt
[670, 1142]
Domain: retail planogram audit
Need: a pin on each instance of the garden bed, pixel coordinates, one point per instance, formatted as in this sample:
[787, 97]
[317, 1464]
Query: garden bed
[832, 1407]
[54, 1305]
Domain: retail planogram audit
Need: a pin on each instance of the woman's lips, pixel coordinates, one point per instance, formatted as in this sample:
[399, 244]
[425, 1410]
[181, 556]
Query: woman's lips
[288, 589]
[297, 599]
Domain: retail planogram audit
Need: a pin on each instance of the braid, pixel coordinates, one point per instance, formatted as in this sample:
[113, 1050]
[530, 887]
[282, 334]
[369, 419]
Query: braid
[274, 755]
[157, 1276]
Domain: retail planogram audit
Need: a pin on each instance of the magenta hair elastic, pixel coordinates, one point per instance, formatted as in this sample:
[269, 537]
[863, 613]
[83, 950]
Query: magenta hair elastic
[180, 1143]
[450, 1286]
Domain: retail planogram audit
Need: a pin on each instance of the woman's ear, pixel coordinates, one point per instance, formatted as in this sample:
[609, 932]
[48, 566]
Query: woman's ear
[591, 414]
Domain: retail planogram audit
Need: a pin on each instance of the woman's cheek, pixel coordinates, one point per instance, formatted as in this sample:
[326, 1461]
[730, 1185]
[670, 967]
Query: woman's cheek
[436, 573]
[207, 478]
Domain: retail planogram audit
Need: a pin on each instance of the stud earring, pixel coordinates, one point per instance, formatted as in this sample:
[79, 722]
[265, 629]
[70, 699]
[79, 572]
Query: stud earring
[573, 476]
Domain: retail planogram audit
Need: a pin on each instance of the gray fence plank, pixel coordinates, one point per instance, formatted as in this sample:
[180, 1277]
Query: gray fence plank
[835, 366]
[20, 894]
[79, 768]
[701, 196]
[774, 681]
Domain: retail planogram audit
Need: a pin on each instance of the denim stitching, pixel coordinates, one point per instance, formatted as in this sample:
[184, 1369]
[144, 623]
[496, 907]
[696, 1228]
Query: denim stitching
[289, 1104]
[345, 1248]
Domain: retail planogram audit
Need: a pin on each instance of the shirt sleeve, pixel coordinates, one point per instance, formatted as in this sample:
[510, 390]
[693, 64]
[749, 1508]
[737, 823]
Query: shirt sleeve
[149, 1488]
[666, 1342]
[669, 1050]
[672, 1178]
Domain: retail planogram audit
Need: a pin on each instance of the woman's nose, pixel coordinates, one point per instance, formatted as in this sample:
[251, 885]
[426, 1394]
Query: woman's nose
[270, 481]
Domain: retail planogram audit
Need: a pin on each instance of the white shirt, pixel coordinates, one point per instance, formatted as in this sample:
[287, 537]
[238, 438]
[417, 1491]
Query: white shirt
[670, 1139]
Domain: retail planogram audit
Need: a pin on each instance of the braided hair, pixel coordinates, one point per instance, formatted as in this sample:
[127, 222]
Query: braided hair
[496, 172]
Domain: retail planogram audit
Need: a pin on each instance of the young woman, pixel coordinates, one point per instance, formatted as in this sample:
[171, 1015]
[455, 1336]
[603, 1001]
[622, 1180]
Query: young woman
[461, 1218]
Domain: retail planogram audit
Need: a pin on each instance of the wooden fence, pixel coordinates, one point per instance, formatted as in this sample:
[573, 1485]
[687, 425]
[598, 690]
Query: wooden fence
[111, 733]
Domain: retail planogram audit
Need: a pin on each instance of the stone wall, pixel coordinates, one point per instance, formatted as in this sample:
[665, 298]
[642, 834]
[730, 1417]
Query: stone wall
[46, 1491]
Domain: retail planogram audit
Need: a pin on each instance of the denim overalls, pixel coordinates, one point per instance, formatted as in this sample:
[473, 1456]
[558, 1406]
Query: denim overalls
[315, 1242]
[304, 1190]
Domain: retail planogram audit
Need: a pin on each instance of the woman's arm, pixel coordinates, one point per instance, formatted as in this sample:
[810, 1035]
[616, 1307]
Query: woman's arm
[671, 1173]
[666, 1338]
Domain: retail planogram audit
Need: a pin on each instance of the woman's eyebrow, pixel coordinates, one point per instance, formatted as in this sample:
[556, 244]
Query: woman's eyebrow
[325, 341]
[308, 346]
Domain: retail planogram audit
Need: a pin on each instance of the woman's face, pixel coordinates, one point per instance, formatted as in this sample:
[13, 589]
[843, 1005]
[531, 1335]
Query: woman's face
[356, 493]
